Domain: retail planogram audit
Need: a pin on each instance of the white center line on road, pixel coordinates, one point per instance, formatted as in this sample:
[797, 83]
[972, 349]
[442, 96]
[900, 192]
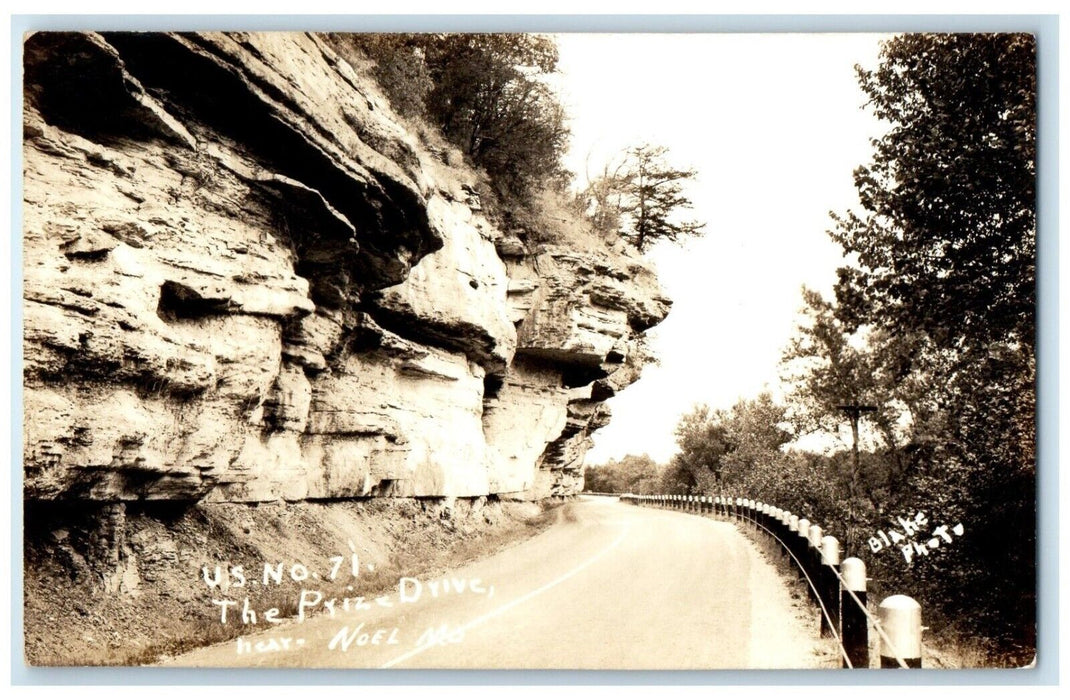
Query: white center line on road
[509, 606]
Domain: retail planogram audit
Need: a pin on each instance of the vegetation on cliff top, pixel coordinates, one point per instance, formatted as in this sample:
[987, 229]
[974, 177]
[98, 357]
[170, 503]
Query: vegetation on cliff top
[489, 95]
[640, 196]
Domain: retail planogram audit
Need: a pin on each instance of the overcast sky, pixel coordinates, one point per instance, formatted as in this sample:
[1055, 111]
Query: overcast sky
[773, 124]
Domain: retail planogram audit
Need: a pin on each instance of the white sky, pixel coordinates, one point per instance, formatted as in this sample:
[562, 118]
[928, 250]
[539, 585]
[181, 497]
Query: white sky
[773, 124]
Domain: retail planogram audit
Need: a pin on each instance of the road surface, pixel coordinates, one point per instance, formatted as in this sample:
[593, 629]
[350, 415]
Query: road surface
[608, 586]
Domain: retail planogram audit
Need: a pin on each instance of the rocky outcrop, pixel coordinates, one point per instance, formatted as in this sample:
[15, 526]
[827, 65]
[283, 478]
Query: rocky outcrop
[245, 281]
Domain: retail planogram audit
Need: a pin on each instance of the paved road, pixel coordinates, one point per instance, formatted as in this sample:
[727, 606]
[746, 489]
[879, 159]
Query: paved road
[609, 586]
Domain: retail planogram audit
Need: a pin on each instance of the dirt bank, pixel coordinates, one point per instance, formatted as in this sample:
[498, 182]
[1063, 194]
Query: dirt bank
[120, 586]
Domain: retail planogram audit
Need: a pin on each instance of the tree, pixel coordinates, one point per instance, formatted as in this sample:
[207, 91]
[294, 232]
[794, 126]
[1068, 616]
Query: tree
[631, 474]
[947, 241]
[490, 97]
[640, 198]
[829, 366]
[703, 443]
[603, 197]
[677, 479]
[824, 368]
[736, 449]
[488, 94]
[400, 68]
[756, 430]
[945, 275]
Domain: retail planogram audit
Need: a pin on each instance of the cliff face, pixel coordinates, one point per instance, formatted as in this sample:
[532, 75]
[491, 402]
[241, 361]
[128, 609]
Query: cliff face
[245, 281]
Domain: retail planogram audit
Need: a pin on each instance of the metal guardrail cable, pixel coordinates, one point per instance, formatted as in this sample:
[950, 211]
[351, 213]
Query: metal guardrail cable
[873, 621]
[843, 585]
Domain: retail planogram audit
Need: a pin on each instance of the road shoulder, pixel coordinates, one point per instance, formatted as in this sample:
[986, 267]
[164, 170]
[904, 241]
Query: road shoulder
[785, 630]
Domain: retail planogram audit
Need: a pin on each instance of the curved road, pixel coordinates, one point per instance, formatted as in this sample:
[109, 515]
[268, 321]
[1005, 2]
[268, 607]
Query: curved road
[608, 586]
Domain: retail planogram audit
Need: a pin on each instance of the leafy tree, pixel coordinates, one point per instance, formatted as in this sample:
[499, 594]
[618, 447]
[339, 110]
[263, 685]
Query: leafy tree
[735, 449]
[640, 198]
[489, 95]
[947, 240]
[703, 442]
[945, 275]
[400, 68]
[678, 480]
[811, 485]
[604, 195]
[631, 474]
[825, 368]
[756, 430]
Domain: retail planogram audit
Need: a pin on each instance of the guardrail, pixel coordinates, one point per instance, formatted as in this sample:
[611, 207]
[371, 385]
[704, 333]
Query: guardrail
[837, 589]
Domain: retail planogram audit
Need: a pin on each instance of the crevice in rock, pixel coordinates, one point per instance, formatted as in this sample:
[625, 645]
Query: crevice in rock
[601, 391]
[470, 339]
[78, 83]
[574, 376]
[576, 369]
[492, 386]
[179, 302]
[93, 255]
[324, 242]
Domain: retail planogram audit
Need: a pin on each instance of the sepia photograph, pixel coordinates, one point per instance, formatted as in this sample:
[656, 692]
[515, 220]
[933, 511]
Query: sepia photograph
[563, 351]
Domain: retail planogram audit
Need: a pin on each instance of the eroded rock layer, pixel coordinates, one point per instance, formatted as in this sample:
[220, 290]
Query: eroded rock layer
[245, 281]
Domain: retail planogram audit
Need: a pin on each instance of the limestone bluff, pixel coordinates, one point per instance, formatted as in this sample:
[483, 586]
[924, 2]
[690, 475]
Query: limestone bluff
[245, 281]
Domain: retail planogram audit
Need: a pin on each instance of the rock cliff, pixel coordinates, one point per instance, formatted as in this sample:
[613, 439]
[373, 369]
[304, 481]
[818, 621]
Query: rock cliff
[245, 280]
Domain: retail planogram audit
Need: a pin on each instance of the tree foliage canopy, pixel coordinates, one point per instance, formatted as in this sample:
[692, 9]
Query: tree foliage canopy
[490, 97]
[824, 368]
[703, 442]
[947, 241]
[631, 474]
[738, 448]
[641, 196]
[488, 94]
[945, 278]
[946, 248]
